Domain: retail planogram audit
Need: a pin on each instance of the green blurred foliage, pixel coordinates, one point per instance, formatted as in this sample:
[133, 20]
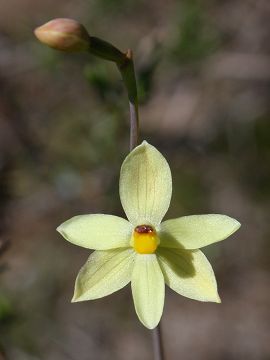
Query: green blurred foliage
[6, 310]
[195, 37]
[115, 5]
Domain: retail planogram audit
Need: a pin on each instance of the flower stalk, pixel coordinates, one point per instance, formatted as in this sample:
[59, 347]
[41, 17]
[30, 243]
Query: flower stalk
[127, 71]
[158, 343]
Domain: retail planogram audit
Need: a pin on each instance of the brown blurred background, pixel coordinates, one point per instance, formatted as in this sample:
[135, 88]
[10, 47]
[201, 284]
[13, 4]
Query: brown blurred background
[204, 78]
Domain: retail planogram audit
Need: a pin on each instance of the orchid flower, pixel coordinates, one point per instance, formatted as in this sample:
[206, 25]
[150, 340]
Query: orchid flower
[143, 250]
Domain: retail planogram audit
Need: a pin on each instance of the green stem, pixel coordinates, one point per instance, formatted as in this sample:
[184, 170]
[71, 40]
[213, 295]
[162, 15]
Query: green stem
[105, 50]
[127, 71]
[158, 344]
[125, 64]
[134, 125]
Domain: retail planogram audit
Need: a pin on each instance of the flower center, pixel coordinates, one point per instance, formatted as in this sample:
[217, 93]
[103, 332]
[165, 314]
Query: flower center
[145, 239]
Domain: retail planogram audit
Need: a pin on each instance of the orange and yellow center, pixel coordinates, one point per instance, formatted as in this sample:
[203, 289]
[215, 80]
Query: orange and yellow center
[145, 239]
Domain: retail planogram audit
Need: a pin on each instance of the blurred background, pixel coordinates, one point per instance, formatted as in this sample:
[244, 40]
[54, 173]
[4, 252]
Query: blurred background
[203, 71]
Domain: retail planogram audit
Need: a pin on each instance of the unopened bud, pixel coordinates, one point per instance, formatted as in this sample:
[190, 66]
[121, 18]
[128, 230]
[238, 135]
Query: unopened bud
[64, 34]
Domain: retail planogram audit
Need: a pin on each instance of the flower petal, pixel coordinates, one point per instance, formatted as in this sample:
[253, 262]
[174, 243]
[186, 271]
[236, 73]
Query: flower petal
[148, 290]
[193, 232]
[97, 231]
[189, 273]
[104, 273]
[145, 185]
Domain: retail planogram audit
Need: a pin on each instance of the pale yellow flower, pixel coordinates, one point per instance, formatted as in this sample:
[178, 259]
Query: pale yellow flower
[142, 250]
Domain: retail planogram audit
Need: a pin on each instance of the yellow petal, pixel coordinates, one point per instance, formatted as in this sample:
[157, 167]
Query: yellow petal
[188, 273]
[98, 231]
[148, 290]
[193, 232]
[104, 273]
[145, 185]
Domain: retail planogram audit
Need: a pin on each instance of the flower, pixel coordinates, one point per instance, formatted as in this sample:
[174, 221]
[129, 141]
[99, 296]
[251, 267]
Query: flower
[142, 250]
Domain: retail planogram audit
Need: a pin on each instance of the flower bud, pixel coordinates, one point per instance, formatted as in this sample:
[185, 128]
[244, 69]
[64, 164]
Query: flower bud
[64, 34]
